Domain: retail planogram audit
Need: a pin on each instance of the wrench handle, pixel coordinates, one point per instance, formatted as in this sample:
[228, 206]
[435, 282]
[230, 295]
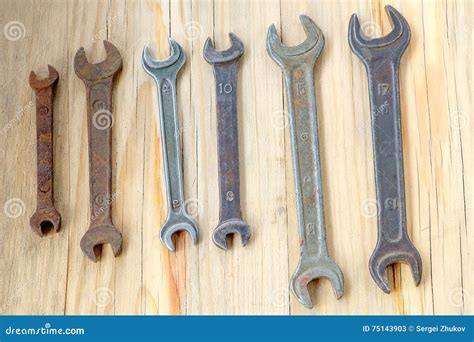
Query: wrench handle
[306, 161]
[227, 140]
[44, 147]
[384, 93]
[171, 144]
[100, 122]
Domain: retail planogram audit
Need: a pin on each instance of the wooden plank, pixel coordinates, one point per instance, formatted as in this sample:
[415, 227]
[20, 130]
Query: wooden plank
[436, 99]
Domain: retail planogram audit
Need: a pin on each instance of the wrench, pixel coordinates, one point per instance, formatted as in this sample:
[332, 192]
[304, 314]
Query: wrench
[298, 63]
[46, 215]
[165, 73]
[381, 58]
[99, 80]
[225, 74]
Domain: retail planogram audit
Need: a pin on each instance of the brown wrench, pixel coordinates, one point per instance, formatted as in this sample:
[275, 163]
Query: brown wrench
[98, 79]
[225, 73]
[46, 215]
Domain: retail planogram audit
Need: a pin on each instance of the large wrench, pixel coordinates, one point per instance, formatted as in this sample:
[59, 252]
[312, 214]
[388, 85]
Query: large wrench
[46, 216]
[98, 79]
[298, 63]
[381, 58]
[164, 73]
[225, 74]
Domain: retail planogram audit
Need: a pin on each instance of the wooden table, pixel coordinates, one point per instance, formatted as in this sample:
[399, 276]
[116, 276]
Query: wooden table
[50, 275]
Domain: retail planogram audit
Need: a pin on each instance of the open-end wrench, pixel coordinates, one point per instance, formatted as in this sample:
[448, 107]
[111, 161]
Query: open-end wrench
[381, 58]
[298, 63]
[46, 215]
[165, 73]
[99, 80]
[225, 74]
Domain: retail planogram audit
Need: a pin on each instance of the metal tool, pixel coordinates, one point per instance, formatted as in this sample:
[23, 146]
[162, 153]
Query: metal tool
[46, 215]
[225, 73]
[164, 73]
[298, 63]
[381, 58]
[99, 80]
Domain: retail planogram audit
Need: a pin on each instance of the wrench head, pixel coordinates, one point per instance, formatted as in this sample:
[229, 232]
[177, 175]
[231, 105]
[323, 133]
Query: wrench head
[232, 226]
[94, 72]
[310, 48]
[49, 81]
[386, 254]
[213, 56]
[44, 220]
[394, 43]
[312, 268]
[95, 237]
[157, 68]
[176, 223]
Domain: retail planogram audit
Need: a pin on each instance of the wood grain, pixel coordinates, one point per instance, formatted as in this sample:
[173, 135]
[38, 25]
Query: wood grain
[50, 275]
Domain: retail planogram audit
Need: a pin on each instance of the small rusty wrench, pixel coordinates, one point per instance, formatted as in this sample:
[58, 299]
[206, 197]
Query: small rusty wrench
[298, 63]
[165, 73]
[225, 74]
[381, 58]
[98, 79]
[46, 215]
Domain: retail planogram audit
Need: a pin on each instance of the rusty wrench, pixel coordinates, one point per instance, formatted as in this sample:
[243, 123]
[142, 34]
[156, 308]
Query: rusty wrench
[165, 73]
[98, 79]
[298, 63]
[225, 74]
[381, 58]
[46, 215]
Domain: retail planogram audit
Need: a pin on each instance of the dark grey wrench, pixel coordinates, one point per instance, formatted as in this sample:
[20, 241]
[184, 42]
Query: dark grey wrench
[298, 63]
[381, 58]
[225, 74]
[164, 73]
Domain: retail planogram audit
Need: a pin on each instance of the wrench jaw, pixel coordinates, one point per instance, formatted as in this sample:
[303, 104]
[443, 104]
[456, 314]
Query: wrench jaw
[369, 49]
[316, 268]
[45, 219]
[388, 254]
[233, 226]
[50, 81]
[284, 55]
[213, 56]
[177, 222]
[90, 73]
[95, 237]
[174, 62]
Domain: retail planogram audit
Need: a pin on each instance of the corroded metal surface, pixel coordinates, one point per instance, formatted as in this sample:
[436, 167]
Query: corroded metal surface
[381, 58]
[98, 79]
[298, 63]
[225, 73]
[165, 73]
[46, 215]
